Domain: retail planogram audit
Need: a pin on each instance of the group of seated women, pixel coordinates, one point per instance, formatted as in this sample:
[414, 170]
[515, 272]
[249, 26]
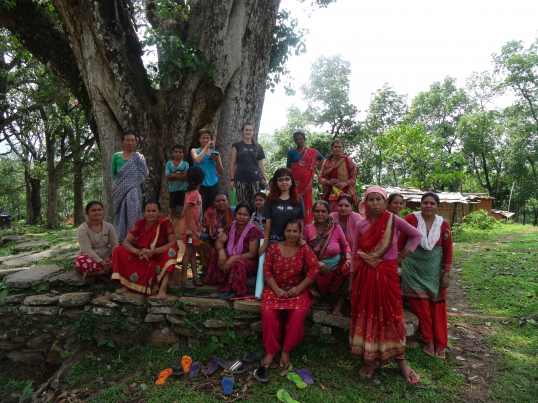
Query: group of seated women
[343, 253]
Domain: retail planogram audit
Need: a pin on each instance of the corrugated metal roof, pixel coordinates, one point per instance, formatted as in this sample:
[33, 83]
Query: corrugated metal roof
[414, 195]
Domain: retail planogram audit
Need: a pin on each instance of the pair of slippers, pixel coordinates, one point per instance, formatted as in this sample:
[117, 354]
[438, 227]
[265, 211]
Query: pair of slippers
[302, 378]
[222, 295]
[235, 367]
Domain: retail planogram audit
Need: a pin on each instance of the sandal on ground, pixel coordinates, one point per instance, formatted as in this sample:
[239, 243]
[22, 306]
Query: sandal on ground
[186, 363]
[440, 353]
[227, 295]
[261, 374]
[212, 366]
[283, 365]
[286, 396]
[297, 380]
[227, 385]
[195, 368]
[163, 376]
[176, 369]
[305, 376]
[429, 352]
[187, 284]
[235, 367]
[196, 294]
[197, 282]
[412, 378]
[251, 357]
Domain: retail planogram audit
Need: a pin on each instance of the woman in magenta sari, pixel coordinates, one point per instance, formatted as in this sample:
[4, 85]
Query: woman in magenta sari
[377, 329]
[302, 161]
[146, 265]
[338, 175]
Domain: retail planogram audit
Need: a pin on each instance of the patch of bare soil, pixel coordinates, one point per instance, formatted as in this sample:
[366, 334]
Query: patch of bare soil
[467, 348]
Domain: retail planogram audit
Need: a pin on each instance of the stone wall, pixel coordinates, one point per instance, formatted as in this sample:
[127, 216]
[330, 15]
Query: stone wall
[39, 327]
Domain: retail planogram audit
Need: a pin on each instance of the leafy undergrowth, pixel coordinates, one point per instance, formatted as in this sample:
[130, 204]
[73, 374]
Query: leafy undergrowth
[501, 279]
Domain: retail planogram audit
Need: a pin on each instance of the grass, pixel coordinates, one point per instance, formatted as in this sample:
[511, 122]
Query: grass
[501, 279]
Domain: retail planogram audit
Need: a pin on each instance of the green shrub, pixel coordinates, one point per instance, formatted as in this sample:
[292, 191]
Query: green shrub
[480, 220]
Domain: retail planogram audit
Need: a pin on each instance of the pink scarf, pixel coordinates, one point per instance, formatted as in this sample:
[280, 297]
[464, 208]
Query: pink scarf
[237, 248]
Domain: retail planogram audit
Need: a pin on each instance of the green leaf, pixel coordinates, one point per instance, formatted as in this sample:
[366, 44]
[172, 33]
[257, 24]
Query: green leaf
[4, 293]
[215, 339]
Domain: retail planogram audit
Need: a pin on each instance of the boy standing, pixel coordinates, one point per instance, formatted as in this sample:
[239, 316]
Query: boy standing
[175, 172]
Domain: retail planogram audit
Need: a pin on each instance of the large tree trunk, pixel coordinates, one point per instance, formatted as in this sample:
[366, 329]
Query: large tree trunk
[78, 192]
[236, 36]
[33, 197]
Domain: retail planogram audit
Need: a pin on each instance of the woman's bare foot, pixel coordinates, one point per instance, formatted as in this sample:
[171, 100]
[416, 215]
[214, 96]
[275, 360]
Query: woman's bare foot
[368, 369]
[284, 360]
[337, 311]
[122, 290]
[410, 376]
[429, 349]
[440, 353]
[92, 274]
[162, 294]
[267, 360]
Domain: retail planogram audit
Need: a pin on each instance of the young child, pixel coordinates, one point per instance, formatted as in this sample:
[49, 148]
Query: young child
[175, 172]
[190, 226]
[257, 217]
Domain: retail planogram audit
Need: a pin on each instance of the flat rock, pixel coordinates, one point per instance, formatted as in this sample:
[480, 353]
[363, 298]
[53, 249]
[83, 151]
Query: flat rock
[39, 341]
[67, 255]
[153, 318]
[329, 319]
[135, 320]
[7, 272]
[102, 311]
[73, 299]
[30, 358]
[167, 310]
[161, 337]
[256, 326]
[12, 299]
[411, 322]
[129, 297]
[73, 313]
[219, 323]
[104, 300]
[248, 306]
[32, 276]
[25, 246]
[13, 238]
[71, 277]
[10, 257]
[34, 257]
[175, 320]
[46, 299]
[41, 310]
[168, 301]
[54, 356]
[204, 302]
[10, 345]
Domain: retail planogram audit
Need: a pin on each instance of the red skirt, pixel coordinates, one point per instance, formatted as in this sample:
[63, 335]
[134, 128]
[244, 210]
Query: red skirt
[142, 275]
[377, 330]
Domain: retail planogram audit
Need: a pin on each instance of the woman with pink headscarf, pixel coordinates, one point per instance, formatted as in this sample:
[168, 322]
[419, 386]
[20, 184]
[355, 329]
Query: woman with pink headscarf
[377, 330]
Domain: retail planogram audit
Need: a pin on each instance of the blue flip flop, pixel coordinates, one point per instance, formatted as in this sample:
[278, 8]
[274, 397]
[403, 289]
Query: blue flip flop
[195, 369]
[227, 385]
[212, 366]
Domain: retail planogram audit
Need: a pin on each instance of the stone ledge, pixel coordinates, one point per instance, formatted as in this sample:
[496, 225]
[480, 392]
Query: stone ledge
[204, 302]
[32, 276]
[248, 306]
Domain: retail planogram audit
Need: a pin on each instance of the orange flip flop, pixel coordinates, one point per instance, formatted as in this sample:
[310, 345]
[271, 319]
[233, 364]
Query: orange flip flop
[163, 376]
[186, 362]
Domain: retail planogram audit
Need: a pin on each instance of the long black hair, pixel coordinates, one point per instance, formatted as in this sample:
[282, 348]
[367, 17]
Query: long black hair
[195, 176]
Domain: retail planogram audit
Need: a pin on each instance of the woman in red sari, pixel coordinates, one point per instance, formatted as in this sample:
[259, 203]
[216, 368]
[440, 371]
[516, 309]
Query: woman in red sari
[302, 161]
[338, 175]
[377, 330]
[146, 265]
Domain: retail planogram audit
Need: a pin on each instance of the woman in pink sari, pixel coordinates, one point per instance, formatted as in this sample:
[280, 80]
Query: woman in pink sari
[302, 161]
[338, 175]
[146, 265]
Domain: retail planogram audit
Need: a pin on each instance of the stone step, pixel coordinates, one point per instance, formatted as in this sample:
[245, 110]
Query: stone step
[13, 238]
[32, 276]
[34, 257]
[10, 257]
[25, 246]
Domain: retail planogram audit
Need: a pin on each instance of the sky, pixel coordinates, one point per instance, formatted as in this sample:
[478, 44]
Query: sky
[408, 44]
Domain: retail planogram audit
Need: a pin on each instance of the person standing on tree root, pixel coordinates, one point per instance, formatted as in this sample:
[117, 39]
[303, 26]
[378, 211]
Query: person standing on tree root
[129, 172]
[425, 274]
[247, 172]
[377, 329]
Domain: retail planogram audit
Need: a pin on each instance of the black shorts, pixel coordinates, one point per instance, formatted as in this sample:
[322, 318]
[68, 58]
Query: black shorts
[176, 199]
